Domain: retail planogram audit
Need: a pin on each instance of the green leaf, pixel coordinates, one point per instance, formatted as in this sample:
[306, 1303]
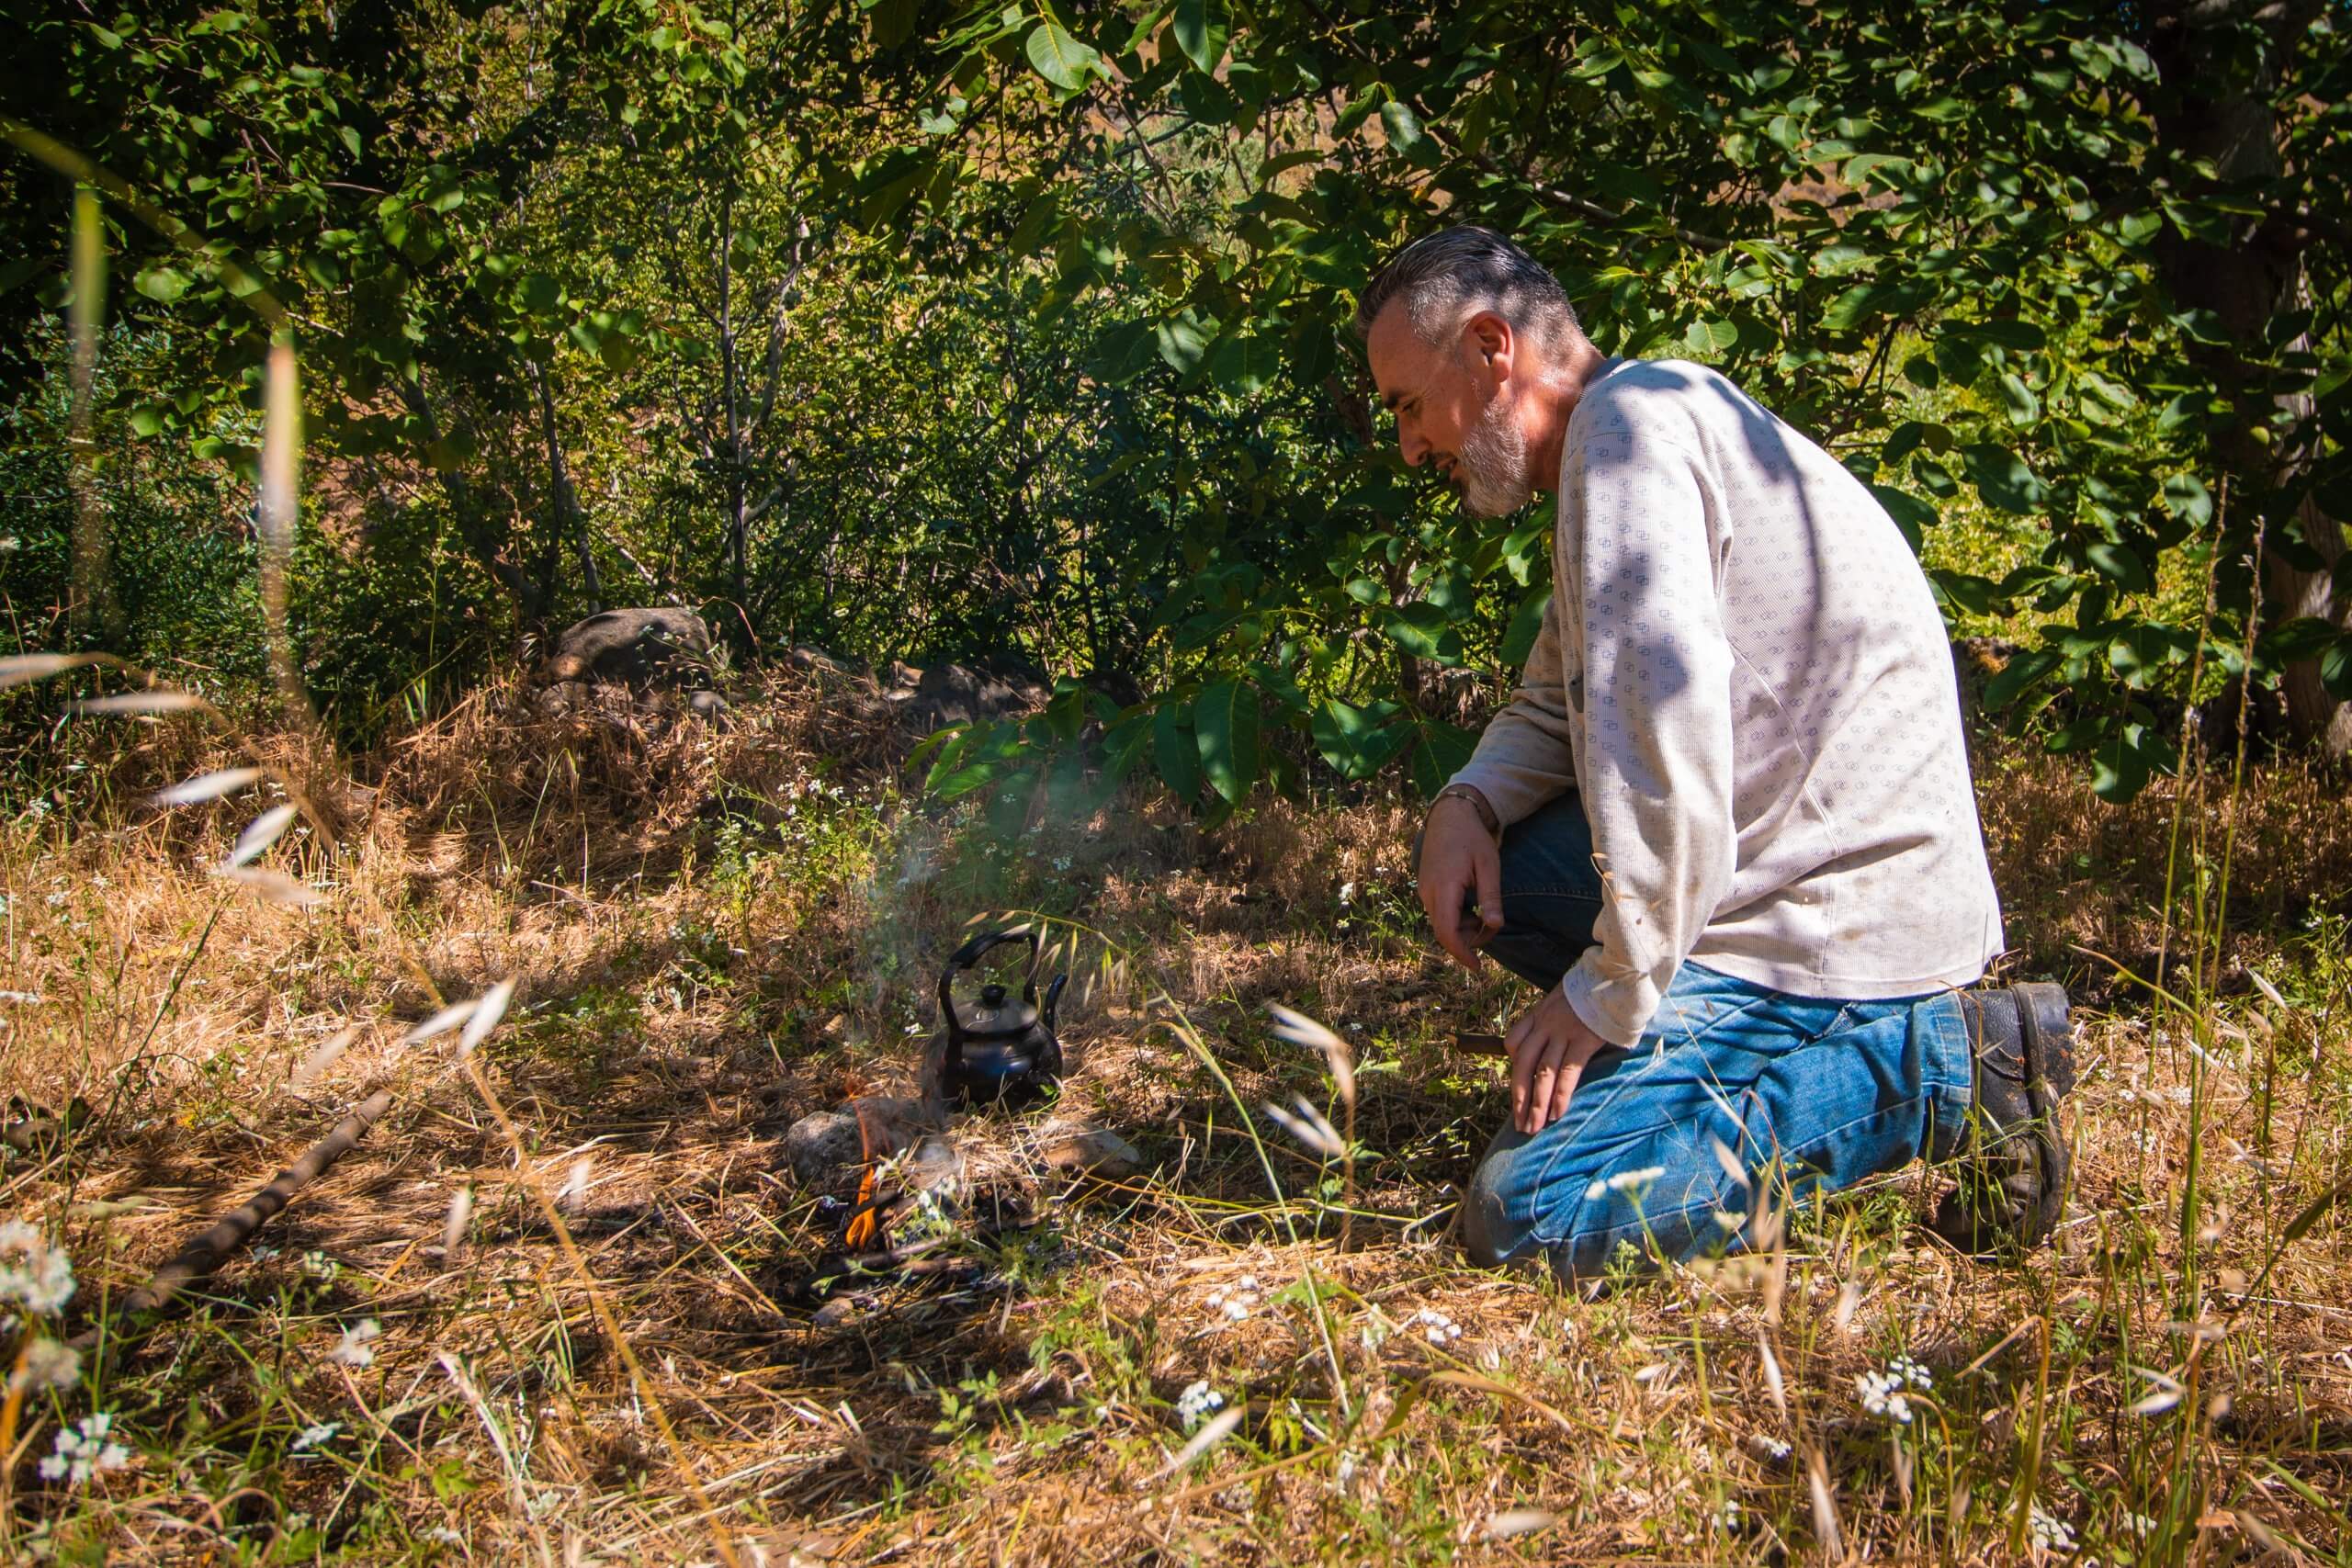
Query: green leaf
[1182, 343]
[2003, 478]
[1059, 58]
[162, 283]
[1357, 742]
[1404, 126]
[1227, 716]
[540, 294]
[1200, 28]
[148, 419]
[1244, 364]
[1442, 751]
[1176, 752]
[2022, 671]
[1421, 630]
[2023, 406]
[1123, 352]
[2006, 332]
[2186, 497]
[2290, 642]
[1525, 627]
[2122, 564]
[2335, 668]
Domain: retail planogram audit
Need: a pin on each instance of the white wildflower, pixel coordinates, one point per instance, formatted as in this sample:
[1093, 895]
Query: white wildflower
[1234, 1301]
[316, 1435]
[1727, 1517]
[356, 1350]
[1624, 1182]
[1882, 1394]
[48, 1364]
[1439, 1328]
[2050, 1532]
[84, 1450]
[1197, 1403]
[33, 1273]
[1347, 892]
[1911, 1373]
[318, 1265]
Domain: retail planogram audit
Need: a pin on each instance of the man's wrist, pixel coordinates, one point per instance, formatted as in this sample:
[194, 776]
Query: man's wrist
[1476, 799]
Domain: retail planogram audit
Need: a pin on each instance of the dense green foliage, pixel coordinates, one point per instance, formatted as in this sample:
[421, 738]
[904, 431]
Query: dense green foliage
[908, 330]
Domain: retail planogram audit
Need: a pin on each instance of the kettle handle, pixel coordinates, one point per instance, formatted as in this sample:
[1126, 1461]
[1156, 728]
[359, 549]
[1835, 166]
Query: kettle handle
[964, 957]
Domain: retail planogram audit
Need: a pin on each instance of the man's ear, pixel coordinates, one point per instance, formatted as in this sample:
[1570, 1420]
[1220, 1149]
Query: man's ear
[1490, 345]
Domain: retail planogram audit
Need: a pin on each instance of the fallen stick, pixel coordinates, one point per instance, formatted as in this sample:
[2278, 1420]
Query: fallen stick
[203, 1254]
[1475, 1045]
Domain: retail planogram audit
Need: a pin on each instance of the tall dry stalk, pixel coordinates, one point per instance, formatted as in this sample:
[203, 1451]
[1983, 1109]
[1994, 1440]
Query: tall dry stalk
[276, 515]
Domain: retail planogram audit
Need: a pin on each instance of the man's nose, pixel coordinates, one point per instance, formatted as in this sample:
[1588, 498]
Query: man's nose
[1409, 441]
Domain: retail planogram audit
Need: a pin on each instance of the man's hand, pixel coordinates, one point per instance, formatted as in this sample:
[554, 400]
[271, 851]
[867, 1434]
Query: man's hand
[1549, 1047]
[1459, 864]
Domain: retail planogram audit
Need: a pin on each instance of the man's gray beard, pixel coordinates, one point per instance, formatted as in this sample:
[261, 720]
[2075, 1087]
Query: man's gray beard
[1493, 467]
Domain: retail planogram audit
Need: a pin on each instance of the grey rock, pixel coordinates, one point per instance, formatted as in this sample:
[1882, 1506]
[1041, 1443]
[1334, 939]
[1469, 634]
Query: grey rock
[640, 646]
[967, 693]
[1083, 1149]
[823, 1149]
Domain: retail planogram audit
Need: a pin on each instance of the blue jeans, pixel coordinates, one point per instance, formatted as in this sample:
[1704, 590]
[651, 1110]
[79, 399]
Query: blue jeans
[1817, 1092]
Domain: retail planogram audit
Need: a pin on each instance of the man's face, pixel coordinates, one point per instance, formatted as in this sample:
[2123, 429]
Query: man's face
[1454, 406]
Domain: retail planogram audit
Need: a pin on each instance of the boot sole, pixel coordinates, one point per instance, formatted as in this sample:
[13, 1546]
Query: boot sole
[2048, 1039]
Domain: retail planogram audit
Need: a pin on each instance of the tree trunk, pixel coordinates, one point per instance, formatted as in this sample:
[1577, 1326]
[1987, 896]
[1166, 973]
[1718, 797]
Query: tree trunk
[2203, 113]
[739, 523]
[483, 538]
[570, 521]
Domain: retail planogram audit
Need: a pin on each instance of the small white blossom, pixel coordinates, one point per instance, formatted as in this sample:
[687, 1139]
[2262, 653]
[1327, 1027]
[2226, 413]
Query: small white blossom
[1347, 893]
[1727, 1517]
[1882, 1394]
[33, 1273]
[48, 1364]
[1774, 1448]
[1197, 1403]
[1911, 1373]
[1439, 1328]
[315, 1435]
[2050, 1532]
[318, 1265]
[356, 1350]
[1624, 1182]
[84, 1450]
[1234, 1301]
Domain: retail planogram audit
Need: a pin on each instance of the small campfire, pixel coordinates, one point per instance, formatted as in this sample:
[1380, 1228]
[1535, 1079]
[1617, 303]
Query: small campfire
[947, 1168]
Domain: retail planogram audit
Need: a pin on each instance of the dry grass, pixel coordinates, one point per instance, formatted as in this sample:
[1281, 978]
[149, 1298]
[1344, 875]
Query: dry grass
[710, 941]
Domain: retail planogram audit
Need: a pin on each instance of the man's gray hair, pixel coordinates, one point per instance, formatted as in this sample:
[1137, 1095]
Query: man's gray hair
[1443, 278]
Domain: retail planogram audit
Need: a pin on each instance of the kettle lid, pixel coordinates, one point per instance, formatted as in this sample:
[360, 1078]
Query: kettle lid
[996, 1012]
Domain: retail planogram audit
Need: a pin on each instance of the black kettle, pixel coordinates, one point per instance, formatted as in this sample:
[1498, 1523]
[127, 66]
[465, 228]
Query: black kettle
[996, 1050]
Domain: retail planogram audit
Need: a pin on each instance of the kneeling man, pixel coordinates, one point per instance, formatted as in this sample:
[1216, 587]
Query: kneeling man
[1725, 821]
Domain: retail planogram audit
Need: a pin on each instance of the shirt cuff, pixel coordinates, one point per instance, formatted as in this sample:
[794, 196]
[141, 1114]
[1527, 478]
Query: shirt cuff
[1617, 1011]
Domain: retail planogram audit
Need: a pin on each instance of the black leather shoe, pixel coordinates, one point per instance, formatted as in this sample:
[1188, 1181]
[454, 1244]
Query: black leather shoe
[2014, 1162]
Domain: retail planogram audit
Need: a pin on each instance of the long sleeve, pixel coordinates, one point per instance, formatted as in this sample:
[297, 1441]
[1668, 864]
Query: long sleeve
[1638, 581]
[1526, 756]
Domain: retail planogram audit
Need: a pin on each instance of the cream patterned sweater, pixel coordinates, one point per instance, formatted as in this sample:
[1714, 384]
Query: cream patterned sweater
[1743, 673]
